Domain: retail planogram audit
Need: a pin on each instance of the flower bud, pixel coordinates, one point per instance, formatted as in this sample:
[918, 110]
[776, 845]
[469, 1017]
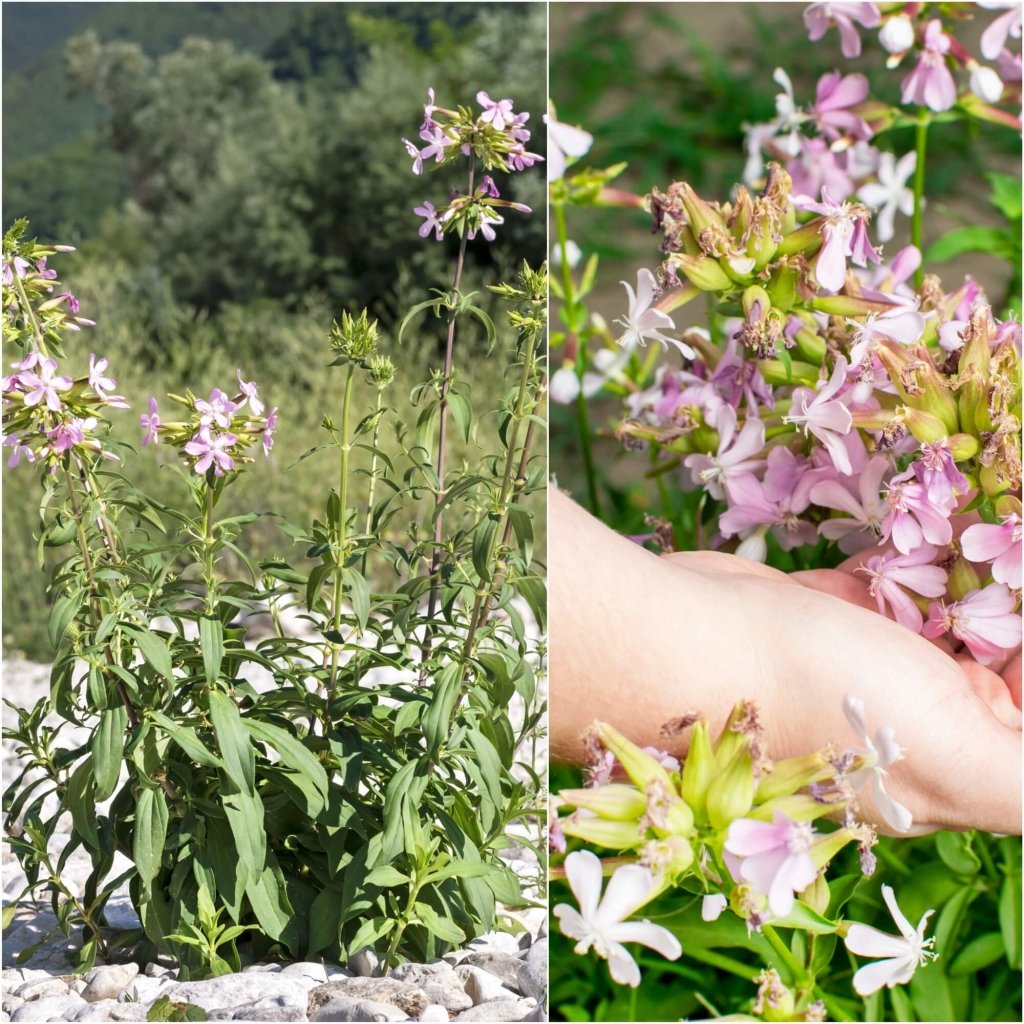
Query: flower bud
[1007, 506]
[962, 579]
[816, 895]
[928, 429]
[702, 271]
[615, 802]
[806, 239]
[640, 766]
[354, 338]
[848, 305]
[798, 807]
[825, 848]
[972, 402]
[774, 1001]
[731, 792]
[991, 482]
[786, 777]
[986, 83]
[665, 810]
[964, 446]
[668, 857]
[897, 34]
[918, 383]
[698, 769]
[700, 214]
[612, 835]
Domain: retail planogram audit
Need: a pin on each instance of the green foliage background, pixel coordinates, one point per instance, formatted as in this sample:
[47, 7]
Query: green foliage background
[233, 177]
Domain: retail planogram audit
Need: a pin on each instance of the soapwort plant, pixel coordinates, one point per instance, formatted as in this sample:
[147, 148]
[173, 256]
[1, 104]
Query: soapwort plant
[291, 792]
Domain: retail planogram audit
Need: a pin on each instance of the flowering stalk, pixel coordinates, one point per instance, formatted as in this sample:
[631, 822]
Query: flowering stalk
[341, 527]
[921, 145]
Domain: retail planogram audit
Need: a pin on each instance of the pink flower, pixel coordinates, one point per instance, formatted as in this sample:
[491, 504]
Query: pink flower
[149, 422]
[914, 516]
[738, 379]
[994, 38]
[890, 573]
[431, 222]
[901, 323]
[877, 754]
[248, 388]
[19, 450]
[818, 17]
[844, 234]
[824, 416]
[999, 544]
[417, 160]
[268, 431]
[211, 451]
[986, 620]
[565, 143]
[643, 322]
[497, 113]
[218, 411]
[735, 453]
[937, 470]
[817, 168]
[835, 95]
[44, 385]
[103, 385]
[931, 83]
[774, 858]
[863, 524]
[890, 192]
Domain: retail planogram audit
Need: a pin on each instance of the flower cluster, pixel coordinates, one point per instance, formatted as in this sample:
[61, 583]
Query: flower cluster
[219, 430]
[830, 143]
[734, 825]
[49, 415]
[841, 404]
[496, 138]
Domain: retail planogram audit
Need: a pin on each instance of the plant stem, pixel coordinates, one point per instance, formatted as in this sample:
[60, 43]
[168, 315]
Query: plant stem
[921, 144]
[442, 439]
[373, 472]
[799, 976]
[209, 572]
[582, 414]
[341, 526]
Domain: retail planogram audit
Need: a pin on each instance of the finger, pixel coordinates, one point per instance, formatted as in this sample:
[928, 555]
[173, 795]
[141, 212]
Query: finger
[992, 689]
[721, 562]
[1011, 674]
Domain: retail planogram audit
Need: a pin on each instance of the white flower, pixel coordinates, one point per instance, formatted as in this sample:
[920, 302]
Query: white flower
[565, 384]
[890, 192]
[642, 323]
[897, 34]
[878, 755]
[986, 83]
[602, 924]
[573, 254]
[903, 954]
[712, 905]
[564, 141]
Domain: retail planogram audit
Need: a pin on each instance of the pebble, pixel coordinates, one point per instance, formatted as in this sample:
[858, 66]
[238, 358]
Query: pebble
[93, 1011]
[41, 989]
[108, 981]
[480, 986]
[342, 1010]
[129, 1011]
[46, 1008]
[365, 964]
[433, 1013]
[240, 989]
[260, 1010]
[533, 975]
[407, 998]
[503, 966]
[499, 1009]
[305, 969]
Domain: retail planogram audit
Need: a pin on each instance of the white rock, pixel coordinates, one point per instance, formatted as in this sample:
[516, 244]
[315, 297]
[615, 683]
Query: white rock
[41, 989]
[480, 986]
[340, 1009]
[262, 969]
[155, 970]
[499, 1010]
[434, 1013]
[365, 964]
[307, 969]
[129, 1011]
[108, 981]
[10, 1003]
[533, 975]
[46, 1008]
[494, 942]
[238, 989]
[92, 1011]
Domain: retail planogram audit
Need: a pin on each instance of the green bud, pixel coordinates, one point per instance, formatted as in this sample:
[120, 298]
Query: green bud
[640, 766]
[928, 429]
[733, 737]
[798, 806]
[612, 835]
[962, 579]
[668, 857]
[816, 895]
[848, 305]
[614, 802]
[755, 302]
[1007, 505]
[700, 214]
[731, 792]
[964, 446]
[702, 271]
[382, 371]
[354, 338]
[781, 287]
[806, 239]
[698, 768]
[774, 1001]
[786, 777]
[918, 383]
[972, 401]
[991, 482]
[827, 846]
[665, 810]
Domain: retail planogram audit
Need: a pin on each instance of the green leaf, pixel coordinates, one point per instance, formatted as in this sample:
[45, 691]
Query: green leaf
[955, 850]
[167, 1009]
[8, 915]
[64, 609]
[802, 917]
[1010, 918]
[108, 749]
[293, 755]
[532, 590]
[522, 527]
[978, 954]
[211, 643]
[82, 802]
[269, 902]
[235, 746]
[437, 716]
[325, 916]
[483, 546]
[950, 917]
[445, 929]
[1006, 197]
[154, 650]
[359, 594]
[994, 241]
[187, 738]
[434, 304]
[462, 413]
[386, 876]
[150, 834]
[245, 815]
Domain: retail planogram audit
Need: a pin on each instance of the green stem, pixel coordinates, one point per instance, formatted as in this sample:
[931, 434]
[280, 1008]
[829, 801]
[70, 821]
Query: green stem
[389, 957]
[373, 472]
[582, 414]
[341, 526]
[722, 962]
[921, 145]
[799, 976]
[209, 576]
[30, 315]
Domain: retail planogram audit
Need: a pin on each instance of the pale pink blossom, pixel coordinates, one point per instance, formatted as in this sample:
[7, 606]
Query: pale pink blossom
[19, 450]
[862, 525]
[45, 385]
[217, 411]
[601, 924]
[902, 954]
[844, 234]
[937, 470]
[565, 143]
[149, 422]
[836, 93]
[821, 413]
[901, 323]
[249, 390]
[998, 543]
[643, 322]
[773, 857]
[931, 83]
[819, 16]
[712, 905]
[877, 754]
[498, 113]
[267, 438]
[1007, 25]
[890, 193]
[891, 575]
[986, 620]
[737, 453]
[913, 516]
[211, 451]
